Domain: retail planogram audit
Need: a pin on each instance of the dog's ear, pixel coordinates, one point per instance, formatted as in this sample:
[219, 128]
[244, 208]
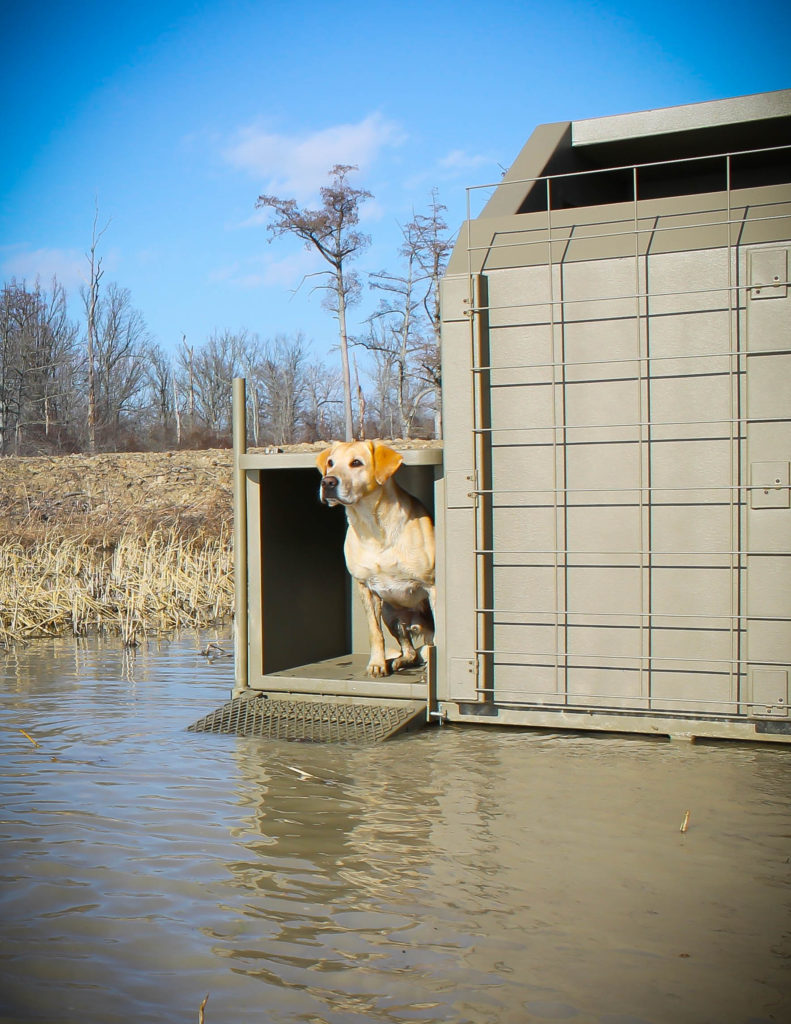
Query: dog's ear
[322, 459]
[386, 462]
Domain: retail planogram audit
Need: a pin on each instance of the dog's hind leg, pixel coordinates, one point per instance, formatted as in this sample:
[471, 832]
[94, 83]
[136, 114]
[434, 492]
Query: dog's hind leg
[397, 621]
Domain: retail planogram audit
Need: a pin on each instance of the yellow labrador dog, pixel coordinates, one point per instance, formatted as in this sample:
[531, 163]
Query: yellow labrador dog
[389, 545]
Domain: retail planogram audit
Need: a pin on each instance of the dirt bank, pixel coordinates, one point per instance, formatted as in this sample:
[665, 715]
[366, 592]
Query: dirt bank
[103, 496]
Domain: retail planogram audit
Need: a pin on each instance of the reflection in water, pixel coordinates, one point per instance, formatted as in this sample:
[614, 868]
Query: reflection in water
[455, 875]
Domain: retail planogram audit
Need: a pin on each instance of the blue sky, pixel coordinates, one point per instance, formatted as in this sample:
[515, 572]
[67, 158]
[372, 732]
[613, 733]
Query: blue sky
[175, 115]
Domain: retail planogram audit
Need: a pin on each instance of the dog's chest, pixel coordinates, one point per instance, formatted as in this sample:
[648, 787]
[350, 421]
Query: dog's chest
[387, 573]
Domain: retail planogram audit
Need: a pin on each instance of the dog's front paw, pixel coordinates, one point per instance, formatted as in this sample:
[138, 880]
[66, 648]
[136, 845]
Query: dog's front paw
[377, 669]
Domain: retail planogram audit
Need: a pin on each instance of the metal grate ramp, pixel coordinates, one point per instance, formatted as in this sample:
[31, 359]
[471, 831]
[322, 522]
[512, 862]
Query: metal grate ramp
[313, 721]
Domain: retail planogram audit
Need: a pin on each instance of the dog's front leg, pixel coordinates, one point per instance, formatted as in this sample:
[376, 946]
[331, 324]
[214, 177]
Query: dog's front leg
[377, 665]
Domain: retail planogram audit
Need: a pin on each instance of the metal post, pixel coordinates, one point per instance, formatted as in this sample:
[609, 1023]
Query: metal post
[241, 653]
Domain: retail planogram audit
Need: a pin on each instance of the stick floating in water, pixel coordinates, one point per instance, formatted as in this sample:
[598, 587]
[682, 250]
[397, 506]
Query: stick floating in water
[27, 734]
[685, 822]
[214, 650]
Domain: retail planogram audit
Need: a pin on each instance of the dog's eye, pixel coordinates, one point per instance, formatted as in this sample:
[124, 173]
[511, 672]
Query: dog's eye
[330, 463]
[355, 463]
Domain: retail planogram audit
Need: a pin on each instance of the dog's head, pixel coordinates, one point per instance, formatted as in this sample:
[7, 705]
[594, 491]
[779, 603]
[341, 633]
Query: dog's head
[350, 470]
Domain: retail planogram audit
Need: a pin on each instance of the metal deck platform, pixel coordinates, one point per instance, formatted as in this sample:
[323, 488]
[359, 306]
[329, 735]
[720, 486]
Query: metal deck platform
[310, 720]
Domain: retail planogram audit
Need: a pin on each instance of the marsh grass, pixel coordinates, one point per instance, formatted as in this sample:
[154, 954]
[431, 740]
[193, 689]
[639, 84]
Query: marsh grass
[126, 569]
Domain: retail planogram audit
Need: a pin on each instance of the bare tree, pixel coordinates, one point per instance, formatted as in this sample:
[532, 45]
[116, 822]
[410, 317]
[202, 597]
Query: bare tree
[332, 232]
[208, 372]
[384, 406]
[323, 399]
[291, 399]
[428, 234]
[404, 332]
[187, 362]
[159, 380]
[57, 360]
[185, 387]
[281, 372]
[121, 347]
[38, 361]
[251, 356]
[394, 334]
[91, 299]
[19, 311]
[177, 409]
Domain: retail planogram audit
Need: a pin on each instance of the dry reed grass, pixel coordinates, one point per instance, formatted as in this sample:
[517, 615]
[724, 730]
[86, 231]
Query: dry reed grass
[122, 558]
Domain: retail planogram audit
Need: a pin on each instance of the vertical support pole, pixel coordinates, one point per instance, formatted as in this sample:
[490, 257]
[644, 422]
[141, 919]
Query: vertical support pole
[429, 653]
[241, 652]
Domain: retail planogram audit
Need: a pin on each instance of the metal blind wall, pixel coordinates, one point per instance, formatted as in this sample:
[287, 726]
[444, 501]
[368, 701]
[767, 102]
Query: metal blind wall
[613, 356]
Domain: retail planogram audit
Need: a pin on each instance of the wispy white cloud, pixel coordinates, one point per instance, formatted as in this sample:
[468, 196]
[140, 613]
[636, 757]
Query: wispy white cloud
[296, 165]
[288, 272]
[258, 218]
[291, 271]
[460, 160]
[371, 211]
[67, 265]
[455, 166]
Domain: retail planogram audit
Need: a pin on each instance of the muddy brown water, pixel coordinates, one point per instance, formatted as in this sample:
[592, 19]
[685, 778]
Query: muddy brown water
[460, 874]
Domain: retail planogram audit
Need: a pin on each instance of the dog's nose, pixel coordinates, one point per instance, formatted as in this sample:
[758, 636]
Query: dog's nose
[329, 483]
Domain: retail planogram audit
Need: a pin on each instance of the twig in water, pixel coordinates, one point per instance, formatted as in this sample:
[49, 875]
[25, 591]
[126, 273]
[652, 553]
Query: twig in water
[214, 650]
[685, 822]
[202, 1008]
[27, 734]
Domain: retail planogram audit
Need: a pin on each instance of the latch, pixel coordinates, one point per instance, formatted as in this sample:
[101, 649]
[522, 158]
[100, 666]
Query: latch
[460, 488]
[769, 485]
[768, 693]
[768, 273]
[463, 677]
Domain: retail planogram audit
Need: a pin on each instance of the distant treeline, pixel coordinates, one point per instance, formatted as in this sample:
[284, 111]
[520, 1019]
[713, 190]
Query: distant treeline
[102, 383]
[148, 399]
